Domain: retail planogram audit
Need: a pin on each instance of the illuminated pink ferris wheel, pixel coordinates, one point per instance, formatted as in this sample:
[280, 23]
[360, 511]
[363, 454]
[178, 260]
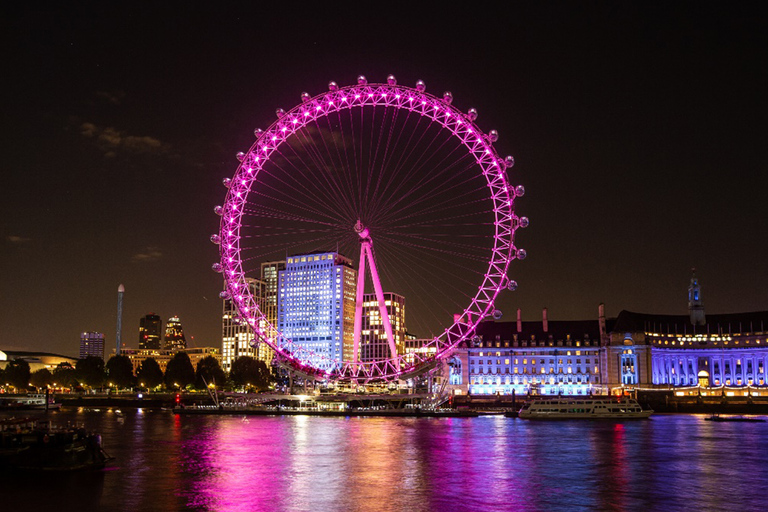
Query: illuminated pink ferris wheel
[369, 166]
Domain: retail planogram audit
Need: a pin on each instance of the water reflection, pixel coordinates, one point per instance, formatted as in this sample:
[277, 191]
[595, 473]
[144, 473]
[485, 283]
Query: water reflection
[170, 462]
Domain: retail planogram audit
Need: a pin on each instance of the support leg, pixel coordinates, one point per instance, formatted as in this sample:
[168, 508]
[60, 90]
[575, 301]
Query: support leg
[382, 303]
[359, 305]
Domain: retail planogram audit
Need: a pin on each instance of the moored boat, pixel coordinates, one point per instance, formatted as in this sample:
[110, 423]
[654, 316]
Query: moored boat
[588, 408]
[34, 445]
[717, 417]
[32, 401]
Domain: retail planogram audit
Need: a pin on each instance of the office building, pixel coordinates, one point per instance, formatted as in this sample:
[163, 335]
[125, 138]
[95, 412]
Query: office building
[162, 356]
[316, 305]
[373, 338]
[92, 344]
[174, 335]
[150, 332]
[236, 335]
[270, 273]
[237, 338]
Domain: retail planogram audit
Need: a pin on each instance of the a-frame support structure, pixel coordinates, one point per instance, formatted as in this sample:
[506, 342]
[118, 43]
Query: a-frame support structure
[366, 255]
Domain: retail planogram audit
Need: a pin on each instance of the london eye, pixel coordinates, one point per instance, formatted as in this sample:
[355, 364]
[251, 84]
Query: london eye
[402, 186]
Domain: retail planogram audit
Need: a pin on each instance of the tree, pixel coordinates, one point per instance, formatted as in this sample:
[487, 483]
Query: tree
[41, 378]
[64, 375]
[247, 371]
[179, 371]
[90, 371]
[17, 373]
[280, 377]
[120, 371]
[209, 372]
[149, 373]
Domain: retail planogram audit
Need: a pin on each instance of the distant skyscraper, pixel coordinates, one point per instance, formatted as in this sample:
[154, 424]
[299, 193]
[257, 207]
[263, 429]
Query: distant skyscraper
[150, 332]
[92, 344]
[316, 303]
[236, 335]
[174, 335]
[373, 340]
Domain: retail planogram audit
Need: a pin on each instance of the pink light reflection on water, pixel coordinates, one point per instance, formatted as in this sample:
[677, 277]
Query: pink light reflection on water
[418, 464]
[297, 463]
[308, 463]
[172, 462]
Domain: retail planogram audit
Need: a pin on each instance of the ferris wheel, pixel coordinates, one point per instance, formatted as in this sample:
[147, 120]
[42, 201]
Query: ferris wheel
[400, 179]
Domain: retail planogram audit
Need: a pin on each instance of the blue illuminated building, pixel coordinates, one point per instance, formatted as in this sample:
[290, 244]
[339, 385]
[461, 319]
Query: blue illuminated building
[542, 358]
[728, 351]
[723, 354]
[316, 304]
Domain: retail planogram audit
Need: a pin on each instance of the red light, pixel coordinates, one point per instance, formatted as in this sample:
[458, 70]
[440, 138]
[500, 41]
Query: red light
[178, 399]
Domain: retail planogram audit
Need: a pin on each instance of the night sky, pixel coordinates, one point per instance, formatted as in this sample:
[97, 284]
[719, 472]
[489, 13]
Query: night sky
[638, 129]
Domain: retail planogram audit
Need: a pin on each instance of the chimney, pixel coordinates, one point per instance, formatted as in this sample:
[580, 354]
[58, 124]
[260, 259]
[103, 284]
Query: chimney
[544, 320]
[601, 319]
[519, 321]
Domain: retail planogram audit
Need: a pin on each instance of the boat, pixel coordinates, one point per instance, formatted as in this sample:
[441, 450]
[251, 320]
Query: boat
[30, 444]
[717, 417]
[588, 408]
[32, 401]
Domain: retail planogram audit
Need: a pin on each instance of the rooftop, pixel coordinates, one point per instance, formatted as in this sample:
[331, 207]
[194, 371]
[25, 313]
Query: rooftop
[729, 323]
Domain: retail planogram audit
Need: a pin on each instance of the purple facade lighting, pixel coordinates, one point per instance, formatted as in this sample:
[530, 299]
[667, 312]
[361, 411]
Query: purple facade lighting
[436, 110]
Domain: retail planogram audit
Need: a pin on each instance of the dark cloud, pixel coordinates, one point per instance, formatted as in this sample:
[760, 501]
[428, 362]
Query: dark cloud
[148, 254]
[113, 141]
[14, 239]
[113, 97]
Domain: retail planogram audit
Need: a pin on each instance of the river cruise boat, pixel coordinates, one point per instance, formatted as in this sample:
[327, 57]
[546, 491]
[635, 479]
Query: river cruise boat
[592, 408]
[32, 401]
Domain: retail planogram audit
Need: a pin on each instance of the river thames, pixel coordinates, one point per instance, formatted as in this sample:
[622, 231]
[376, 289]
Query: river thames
[165, 461]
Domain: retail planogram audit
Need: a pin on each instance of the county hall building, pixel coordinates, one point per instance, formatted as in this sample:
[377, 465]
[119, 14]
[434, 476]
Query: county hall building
[694, 353]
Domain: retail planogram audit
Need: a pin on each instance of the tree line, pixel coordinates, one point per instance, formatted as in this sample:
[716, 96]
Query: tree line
[118, 373]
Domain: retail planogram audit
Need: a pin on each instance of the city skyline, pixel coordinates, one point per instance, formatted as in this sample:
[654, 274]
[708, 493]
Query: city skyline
[637, 130]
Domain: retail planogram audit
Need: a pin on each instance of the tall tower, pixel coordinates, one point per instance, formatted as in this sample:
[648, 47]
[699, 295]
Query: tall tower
[316, 304]
[150, 332]
[695, 304]
[174, 335]
[119, 337]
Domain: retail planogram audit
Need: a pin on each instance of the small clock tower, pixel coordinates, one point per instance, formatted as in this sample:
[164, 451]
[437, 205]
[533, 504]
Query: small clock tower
[695, 304]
